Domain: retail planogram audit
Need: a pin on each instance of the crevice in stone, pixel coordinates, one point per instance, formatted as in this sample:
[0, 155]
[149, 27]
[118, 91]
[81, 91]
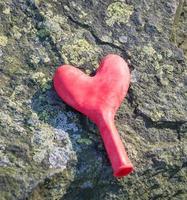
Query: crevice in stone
[149, 123]
[97, 39]
[131, 98]
[54, 47]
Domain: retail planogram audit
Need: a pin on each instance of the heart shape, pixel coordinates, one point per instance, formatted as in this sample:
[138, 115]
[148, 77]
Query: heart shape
[99, 97]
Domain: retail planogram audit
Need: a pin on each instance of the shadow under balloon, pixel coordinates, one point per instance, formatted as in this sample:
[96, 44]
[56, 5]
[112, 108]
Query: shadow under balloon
[93, 177]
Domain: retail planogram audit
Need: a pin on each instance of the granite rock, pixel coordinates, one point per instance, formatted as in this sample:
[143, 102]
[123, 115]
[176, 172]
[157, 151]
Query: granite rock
[50, 151]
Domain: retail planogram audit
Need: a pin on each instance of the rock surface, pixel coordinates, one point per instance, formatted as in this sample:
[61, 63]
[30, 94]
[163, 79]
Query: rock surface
[50, 151]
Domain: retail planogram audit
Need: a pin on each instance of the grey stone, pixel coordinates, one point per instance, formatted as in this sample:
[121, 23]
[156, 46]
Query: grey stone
[50, 151]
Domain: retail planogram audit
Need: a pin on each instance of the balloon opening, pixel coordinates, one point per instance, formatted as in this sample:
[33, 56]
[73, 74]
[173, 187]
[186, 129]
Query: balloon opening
[123, 171]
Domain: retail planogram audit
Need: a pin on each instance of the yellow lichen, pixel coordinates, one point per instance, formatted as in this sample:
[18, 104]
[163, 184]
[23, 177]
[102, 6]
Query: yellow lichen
[80, 52]
[151, 54]
[41, 79]
[16, 32]
[118, 12]
[13, 64]
[3, 40]
[165, 74]
[157, 114]
[57, 26]
[6, 11]
[149, 50]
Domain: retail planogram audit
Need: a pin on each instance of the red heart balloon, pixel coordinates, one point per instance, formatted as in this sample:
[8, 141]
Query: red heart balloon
[99, 97]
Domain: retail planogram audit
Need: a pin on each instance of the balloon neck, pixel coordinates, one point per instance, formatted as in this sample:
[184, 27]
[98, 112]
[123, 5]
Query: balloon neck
[106, 120]
[121, 164]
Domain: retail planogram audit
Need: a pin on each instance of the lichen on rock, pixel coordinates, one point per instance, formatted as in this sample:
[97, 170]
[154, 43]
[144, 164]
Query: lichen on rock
[3, 40]
[80, 52]
[50, 151]
[118, 12]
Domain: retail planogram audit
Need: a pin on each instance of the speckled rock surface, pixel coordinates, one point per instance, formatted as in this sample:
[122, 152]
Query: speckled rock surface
[48, 151]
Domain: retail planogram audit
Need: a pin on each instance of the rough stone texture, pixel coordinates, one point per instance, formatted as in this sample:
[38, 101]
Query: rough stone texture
[50, 151]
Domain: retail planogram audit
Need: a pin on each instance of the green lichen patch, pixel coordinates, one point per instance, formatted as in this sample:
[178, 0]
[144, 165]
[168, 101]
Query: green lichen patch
[43, 33]
[41, 79]
[3, 40]
[168, 71]
[80, 52]
[149, 50]
[41, 141]
[84, 141]
[16, 32]
[184, 47]
[13, 65]
[118, 12]
[6, 11]
[150, 53]
[56, 26]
